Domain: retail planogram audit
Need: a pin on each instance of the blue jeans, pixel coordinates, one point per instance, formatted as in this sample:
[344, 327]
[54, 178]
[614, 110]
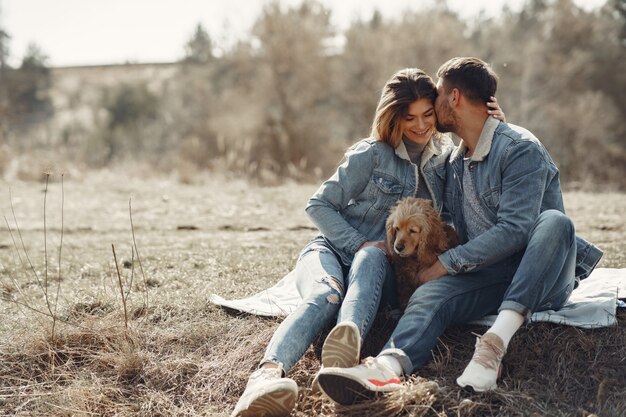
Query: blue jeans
[539, 278]
[329, 289]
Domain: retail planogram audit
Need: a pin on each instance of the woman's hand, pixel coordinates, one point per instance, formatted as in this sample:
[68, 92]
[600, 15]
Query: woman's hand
[494, 109]
[380, 244]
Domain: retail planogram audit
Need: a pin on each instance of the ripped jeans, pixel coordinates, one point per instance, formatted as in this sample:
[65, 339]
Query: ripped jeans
[330, 289]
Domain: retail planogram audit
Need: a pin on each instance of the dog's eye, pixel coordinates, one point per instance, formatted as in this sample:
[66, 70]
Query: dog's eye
[413, 230]
[396, 228]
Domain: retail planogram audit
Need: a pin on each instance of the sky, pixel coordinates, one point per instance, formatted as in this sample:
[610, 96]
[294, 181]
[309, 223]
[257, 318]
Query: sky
[92, 32]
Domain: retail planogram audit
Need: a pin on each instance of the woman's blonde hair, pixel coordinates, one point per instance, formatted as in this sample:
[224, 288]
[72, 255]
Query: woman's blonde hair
[402, 89]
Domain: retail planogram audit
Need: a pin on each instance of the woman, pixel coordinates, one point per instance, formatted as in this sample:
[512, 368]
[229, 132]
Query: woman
[341, 272]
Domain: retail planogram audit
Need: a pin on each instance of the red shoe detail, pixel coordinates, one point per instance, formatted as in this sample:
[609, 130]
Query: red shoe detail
[383, 383]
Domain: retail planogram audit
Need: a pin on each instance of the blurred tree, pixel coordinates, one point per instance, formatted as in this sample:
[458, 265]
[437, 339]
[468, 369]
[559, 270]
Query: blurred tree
[619, 7]
[4, 55]
[192, 107]
[4, 48]
[520, 65]
[583, 49]
[4, 44]
[427, 38]
[192, 104]
[295, 80]
[32, 86]
[609, 32]
[564, 83]
[199, 49]
[364, 66]
[24, 94]
[286, 101]
[130, 126]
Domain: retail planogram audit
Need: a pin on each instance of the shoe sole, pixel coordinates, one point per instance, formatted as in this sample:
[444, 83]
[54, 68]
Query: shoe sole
[273, 404]
[344, 391]
[470, 388]
[342, 347]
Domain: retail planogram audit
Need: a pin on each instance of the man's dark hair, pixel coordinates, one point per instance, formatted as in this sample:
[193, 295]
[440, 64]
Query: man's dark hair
[473, 77]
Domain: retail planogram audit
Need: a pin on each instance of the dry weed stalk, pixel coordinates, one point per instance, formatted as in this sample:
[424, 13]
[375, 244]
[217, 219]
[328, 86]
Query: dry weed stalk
[26, 302]
[136, 250]
[58, 290]
[125, 294]
[119, 279]
[51, 305]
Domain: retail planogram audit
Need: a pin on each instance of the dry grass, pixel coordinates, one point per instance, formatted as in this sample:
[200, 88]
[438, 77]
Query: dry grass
[183, 357]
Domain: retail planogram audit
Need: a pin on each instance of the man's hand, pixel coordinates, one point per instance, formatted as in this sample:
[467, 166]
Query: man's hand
[435, 271]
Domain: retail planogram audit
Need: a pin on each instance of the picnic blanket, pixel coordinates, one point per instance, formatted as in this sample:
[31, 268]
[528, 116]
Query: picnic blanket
[593, 304]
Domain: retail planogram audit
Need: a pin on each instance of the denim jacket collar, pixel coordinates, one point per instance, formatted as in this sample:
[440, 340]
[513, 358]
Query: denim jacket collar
[433, 147]
[484, 141]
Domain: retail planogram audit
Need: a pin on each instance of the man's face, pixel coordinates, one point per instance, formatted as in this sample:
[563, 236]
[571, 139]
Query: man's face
[446, 120]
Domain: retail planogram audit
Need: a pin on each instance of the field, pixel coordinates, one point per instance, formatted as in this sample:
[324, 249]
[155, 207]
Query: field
[145, 341]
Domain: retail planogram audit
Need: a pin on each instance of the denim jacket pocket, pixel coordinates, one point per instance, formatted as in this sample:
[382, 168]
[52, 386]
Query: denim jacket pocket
[387, 191]
[439, 170]
[491, 198]
[435, 176]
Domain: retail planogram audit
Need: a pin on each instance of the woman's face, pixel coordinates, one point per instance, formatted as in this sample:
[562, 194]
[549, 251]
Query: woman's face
[418, 125]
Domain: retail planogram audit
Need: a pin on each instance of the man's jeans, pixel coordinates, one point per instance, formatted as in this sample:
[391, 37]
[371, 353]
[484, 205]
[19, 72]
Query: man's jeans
[354, 294]
[539, 278]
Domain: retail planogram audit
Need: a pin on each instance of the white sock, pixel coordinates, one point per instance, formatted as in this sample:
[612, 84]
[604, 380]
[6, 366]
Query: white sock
[391, 362]
[507, 323]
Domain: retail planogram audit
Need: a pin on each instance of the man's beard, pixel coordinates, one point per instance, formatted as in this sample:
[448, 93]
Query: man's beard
[449, 124]
[444, 128]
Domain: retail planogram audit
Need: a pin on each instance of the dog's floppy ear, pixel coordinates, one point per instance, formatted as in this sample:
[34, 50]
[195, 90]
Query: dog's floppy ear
[437, 239]
[433, 241]
[391, 231]
[442, 237]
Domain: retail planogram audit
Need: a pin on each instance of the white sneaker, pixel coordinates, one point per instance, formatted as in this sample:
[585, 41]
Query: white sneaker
[347, 386]
[267, 394]
[483, 371]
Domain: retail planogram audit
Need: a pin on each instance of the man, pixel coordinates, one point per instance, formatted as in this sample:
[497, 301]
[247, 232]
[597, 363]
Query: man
[519, 253]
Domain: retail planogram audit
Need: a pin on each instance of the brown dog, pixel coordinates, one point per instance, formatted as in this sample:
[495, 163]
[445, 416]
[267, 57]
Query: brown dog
[416, 235]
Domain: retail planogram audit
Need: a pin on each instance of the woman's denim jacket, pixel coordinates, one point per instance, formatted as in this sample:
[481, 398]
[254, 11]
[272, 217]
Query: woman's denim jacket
[515, 179]
[352, 206]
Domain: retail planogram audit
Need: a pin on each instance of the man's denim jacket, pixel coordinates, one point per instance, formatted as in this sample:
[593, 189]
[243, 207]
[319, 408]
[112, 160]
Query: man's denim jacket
[351, 207]
[515, 180]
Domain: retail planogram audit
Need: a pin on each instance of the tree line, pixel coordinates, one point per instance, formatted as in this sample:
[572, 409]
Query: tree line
[288, 100]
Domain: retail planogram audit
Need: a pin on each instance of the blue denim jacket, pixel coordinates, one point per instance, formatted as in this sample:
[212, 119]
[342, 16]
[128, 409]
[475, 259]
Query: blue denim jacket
[351, 207]
[515, 179]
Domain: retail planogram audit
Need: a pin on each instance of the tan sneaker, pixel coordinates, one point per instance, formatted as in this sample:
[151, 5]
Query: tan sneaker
[341, 349]
[267, 394]
[483, 371]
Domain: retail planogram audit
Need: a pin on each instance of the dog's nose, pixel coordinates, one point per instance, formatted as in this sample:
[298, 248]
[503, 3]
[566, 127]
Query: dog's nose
[399, 248]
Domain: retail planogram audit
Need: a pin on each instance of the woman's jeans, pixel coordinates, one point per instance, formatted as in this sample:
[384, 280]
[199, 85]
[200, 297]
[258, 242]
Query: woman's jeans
[329, 289]
[539, 278]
